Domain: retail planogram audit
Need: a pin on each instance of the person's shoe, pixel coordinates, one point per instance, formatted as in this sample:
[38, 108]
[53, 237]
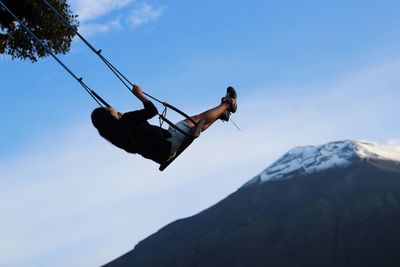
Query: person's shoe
[231, 92]
[232, 103]
[230, 98]
[225, 116]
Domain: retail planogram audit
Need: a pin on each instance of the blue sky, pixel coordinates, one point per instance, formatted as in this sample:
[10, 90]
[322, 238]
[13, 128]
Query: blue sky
[307, 72]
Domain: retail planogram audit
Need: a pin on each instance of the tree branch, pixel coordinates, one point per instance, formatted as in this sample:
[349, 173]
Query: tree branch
[3, 41]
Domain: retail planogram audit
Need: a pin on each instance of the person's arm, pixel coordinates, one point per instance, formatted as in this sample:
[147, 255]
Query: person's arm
[141, 115]
[138, 92]
[149, 107]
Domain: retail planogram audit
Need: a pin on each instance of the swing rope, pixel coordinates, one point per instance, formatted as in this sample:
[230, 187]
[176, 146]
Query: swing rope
[128, 84]
[101, 102]
[125, 81]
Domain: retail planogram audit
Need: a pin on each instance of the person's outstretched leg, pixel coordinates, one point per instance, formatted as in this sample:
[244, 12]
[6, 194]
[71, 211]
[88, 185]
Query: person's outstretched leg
[228, 104]
[209, 116]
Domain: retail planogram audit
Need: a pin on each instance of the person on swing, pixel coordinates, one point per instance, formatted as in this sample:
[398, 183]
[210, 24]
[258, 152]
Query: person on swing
[132, 132]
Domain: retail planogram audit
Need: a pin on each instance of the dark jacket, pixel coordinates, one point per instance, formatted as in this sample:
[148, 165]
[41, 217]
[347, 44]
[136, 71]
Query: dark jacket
[148, 140]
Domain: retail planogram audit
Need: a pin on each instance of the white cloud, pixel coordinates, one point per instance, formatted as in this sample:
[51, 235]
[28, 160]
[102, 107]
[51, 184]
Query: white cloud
[83, 203]
[93, 9]
[145, 14]
[92, 12]
[91, 29]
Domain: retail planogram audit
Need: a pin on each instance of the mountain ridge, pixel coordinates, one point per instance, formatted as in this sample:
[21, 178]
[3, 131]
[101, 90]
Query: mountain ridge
[343, 216]
[308, 159]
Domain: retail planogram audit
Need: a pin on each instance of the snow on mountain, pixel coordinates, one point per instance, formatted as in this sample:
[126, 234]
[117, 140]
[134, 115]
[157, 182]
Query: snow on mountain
[316, 158]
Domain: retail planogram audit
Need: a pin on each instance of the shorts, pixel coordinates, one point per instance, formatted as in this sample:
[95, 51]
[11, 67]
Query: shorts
[177, 137]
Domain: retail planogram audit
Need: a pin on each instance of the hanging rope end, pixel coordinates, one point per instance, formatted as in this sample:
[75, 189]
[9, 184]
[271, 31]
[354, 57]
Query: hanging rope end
[237, 127]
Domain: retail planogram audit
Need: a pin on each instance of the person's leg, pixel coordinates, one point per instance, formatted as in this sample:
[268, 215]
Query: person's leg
[222, 111]
[210, 116]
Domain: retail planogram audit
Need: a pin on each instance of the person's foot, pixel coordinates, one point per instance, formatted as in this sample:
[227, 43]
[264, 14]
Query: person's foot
[230, 98]
[225, 116]
[231, 92]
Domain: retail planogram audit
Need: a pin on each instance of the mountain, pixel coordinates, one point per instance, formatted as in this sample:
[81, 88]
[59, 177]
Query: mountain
[331, 205]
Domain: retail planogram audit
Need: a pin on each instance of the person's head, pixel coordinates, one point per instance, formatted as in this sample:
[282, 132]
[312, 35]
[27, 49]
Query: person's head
[102, 119]
[105, 121]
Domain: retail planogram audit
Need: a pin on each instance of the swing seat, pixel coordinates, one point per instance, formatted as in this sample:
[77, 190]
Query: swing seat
[193, 134]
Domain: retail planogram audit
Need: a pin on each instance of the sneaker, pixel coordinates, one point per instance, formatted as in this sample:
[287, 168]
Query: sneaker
[232, 103]
[231, 92]
[225, 116]
[231, 97]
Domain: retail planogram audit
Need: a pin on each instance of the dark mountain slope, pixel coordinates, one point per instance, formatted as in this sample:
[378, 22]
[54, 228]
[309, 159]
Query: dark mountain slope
[347, 216]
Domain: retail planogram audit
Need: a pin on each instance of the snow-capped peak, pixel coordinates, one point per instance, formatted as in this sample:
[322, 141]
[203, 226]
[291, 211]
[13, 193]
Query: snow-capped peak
[316, 158]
